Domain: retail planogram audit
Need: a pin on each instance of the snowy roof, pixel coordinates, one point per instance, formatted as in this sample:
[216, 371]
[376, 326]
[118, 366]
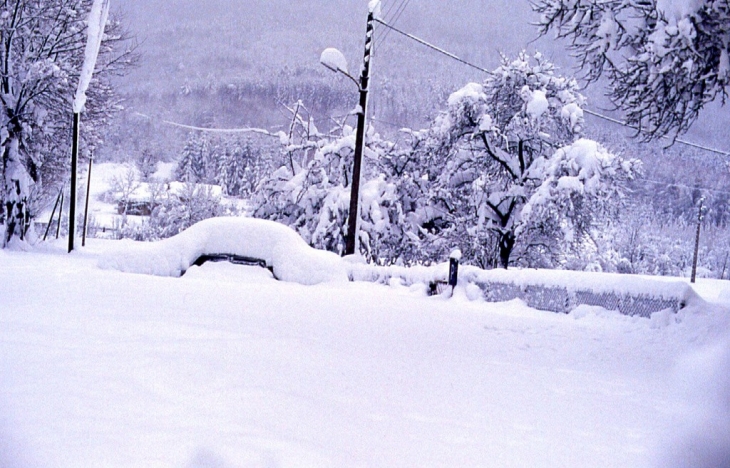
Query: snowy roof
[145, 191]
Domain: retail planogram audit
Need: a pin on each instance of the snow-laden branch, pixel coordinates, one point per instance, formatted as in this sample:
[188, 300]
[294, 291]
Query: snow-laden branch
[261, 131]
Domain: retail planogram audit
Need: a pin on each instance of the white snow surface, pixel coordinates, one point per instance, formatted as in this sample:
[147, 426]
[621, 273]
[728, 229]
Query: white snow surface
[226, 367]
[599, 283]
[293, 260]
[278, 245]
[676, 9]
[470, 92]
[95, 33]
[536, 102]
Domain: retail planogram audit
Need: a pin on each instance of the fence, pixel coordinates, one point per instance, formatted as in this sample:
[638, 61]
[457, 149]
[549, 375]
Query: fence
[550, 290]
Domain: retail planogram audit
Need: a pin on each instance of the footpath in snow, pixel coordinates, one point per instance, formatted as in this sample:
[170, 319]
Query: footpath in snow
[227, 367]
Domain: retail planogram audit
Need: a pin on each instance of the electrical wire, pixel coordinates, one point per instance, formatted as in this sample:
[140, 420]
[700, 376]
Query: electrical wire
[590, 112]
[390, 9]
[687, 187]
[259, 131]
[396, 16]
[433, 47]
[678, 140]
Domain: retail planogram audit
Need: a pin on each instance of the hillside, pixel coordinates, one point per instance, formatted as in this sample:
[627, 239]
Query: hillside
[224, 63]
[232, 64]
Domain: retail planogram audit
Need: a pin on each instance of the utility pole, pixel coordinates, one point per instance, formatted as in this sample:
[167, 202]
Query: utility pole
[697, 239]
[74, 168]
[354, 216]
[94, 33]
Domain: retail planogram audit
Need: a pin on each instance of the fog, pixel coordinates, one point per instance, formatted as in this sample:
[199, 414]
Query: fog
[232, 63]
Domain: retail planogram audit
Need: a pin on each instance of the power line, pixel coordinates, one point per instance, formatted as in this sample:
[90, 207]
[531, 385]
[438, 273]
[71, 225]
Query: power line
[593, 113]
[260, 131]
[400, 12]
[433, 47]
[390, 9]
[678, 140]
[687, 187]
[394, 19]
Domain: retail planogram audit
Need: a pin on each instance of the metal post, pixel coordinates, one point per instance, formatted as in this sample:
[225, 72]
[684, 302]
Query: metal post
[354, 216]
[454, 259]
[86, 205]
[72, 198]
[453, 272]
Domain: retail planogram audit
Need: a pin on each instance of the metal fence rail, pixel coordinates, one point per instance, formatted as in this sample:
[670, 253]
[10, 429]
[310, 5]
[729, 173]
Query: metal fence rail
[556, 299]
[560, 298]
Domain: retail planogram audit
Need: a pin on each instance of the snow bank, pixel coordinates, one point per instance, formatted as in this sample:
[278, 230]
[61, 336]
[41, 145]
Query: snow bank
[701, 437]
[283, 250]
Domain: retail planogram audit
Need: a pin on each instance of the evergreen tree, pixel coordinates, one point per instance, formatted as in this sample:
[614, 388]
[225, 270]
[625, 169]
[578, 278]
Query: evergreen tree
[184, 170]
[223, 174]
[201, 158]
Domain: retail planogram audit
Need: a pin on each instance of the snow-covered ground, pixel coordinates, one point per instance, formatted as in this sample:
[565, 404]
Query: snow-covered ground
[226, 367]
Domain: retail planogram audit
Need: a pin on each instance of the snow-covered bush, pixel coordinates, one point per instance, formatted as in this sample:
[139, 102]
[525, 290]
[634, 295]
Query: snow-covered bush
[177, 211]
[310, 191]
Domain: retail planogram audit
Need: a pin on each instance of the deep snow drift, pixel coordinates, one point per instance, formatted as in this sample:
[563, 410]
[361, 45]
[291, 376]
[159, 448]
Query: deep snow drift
[226, 367]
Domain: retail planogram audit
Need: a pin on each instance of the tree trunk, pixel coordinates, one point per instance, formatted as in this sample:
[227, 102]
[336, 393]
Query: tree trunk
[15, 182]
[506, 244]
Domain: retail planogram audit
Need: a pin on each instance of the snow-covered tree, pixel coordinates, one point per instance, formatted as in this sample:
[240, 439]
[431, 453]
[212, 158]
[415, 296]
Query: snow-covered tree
[310, 191]
[665, 59]
[191, 167]
[506, 147]
[239, 168]
[42, 49]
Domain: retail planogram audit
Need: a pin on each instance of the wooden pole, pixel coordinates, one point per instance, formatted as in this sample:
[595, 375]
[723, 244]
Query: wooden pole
[697, 242]
[86, 205]
[72, 198]
[60, 216]
[53, 213]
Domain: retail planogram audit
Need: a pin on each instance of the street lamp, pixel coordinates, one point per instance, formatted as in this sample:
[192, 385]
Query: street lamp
[335, 61]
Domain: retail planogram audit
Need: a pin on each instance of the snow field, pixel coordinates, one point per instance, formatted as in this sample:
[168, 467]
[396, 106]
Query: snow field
[226, 367]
